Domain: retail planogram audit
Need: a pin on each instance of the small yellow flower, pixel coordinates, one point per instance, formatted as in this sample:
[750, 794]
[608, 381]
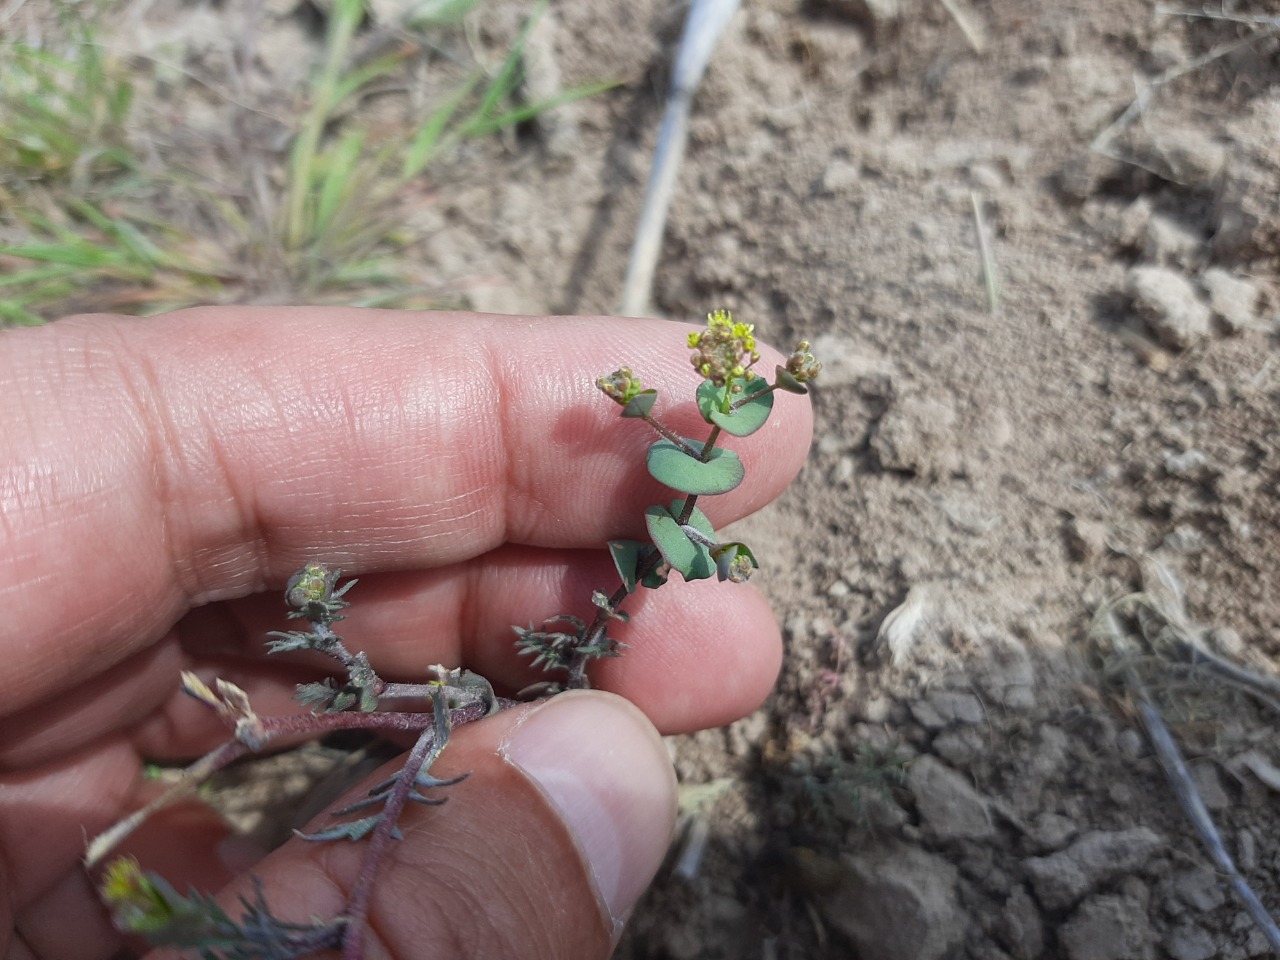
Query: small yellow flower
[725, 349]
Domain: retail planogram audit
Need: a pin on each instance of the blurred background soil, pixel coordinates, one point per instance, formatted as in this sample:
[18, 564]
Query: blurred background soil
[949, 767]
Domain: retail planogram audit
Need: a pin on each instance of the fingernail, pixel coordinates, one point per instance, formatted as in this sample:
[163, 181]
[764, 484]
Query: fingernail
[602, 765]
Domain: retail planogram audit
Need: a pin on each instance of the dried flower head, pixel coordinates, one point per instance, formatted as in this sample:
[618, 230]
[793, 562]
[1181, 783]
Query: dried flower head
[724, 350]
[621, 386]
[802, 365]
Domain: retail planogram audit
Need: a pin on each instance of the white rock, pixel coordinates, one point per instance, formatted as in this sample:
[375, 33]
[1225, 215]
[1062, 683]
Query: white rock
[1232, 299]
[1168, 303]
[840, 176]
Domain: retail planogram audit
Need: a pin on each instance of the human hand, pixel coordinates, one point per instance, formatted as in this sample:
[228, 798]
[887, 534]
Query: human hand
[160, 479]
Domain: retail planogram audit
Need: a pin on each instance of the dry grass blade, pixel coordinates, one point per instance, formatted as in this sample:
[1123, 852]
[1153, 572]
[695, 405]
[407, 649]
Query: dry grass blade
[990, 279]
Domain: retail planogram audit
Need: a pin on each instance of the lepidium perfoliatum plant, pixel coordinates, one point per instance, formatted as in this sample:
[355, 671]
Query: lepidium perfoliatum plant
[732, 398]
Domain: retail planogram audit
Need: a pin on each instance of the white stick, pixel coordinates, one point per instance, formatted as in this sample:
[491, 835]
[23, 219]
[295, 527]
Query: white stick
[702, 29]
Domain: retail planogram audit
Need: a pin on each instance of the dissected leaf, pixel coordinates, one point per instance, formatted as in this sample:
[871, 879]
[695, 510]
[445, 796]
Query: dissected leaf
[351, 830]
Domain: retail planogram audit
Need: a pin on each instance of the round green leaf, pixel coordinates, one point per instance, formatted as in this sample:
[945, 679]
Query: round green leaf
[640, 404]
[750, 417]
[670, 465]
[692, 559]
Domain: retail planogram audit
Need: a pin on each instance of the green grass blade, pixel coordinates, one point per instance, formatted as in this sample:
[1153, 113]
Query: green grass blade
[422, 148]
[35, 275]
[12, 313]
[357, 78]
[77, 254]
[507, 78]
[340, 167]
[344, 17]
[480, 126]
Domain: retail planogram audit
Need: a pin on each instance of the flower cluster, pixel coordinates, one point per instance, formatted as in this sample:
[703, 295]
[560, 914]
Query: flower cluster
[724, 350]
[620, 386]
[802, 365]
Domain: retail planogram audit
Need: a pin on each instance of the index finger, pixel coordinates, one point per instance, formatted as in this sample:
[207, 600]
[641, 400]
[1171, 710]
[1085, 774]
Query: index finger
[148, 466]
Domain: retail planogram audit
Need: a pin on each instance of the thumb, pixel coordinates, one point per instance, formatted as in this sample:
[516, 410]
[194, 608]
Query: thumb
[541, 853]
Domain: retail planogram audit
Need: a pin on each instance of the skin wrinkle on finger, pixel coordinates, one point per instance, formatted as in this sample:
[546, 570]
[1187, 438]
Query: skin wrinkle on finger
[63, 465]
[370, 485]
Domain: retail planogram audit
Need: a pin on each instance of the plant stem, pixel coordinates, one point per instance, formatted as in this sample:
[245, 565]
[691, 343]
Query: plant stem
[709, 445]
[667, 434]
[577, 678]
[741, 401]
[358, 902]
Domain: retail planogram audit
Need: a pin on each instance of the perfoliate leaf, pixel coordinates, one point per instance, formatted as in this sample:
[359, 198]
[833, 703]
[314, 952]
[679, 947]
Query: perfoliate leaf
[693, 560]
[751, 416]
[670, 465]
[640, 404]
[785, 381]
[658, 577]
